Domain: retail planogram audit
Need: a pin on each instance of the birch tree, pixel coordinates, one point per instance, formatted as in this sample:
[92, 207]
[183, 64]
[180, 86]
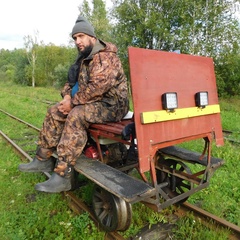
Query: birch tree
[31, 44]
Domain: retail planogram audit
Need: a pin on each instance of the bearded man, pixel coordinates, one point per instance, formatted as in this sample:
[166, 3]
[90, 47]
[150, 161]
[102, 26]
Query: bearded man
[96, 92]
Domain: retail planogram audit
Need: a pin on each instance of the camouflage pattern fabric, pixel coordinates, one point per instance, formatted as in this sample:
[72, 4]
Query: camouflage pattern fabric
[102, 97]
[101, 78]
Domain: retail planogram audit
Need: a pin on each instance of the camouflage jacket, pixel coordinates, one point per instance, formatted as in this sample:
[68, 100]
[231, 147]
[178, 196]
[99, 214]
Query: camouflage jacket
[101, 78]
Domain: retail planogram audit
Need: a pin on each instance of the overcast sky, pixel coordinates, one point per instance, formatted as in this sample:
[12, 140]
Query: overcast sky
[53, 19]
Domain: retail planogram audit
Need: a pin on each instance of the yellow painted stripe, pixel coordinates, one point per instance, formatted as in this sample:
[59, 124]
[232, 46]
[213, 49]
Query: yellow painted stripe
[163, 115]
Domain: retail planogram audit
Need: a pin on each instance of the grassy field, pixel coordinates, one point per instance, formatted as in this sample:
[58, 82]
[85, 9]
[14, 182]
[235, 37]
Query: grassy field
[27, 214]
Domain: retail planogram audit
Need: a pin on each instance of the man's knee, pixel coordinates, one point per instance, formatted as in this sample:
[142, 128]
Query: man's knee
[53, 109]
[54, 113]
[77, 112]
[77, 117]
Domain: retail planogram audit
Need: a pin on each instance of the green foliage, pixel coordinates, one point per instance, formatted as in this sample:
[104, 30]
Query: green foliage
[12, 65]
[50, 69]
[21, 66]
[228, 73]
[85, 228]
[144, 216]
[60, 75]
[194, 27]
[97, 15]
[230, 109]
[47, 65]
[189, 228]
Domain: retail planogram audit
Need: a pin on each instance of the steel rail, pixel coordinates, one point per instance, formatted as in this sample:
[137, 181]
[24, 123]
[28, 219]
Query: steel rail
[20, 120]
[199, 212]
[229, 133]
[16, 147]
[78, 206]
[232, 140]
[75, 204]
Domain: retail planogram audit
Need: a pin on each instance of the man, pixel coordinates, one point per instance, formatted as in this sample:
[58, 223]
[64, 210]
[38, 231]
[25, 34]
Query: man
[96, 92]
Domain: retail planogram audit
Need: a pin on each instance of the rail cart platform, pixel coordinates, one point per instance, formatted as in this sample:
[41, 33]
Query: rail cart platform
[175, 100]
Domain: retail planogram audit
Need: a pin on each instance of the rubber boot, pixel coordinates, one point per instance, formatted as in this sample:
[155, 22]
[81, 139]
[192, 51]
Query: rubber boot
[54, 184]
[57, 183]
[38, 166]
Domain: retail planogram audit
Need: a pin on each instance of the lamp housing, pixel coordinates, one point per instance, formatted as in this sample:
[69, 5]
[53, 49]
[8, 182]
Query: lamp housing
[169, 101]
[201, 99]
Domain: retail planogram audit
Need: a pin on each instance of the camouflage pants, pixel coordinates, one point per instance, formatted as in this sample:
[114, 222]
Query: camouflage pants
[68, 133]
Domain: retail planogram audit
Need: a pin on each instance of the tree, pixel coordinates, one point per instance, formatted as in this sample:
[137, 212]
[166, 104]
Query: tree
[13, 66]
[228, 72]
[5, 63]
[193, 26]
[97, 16]
[21, 65]
[60, 75]
[49, 57]
[31, 44]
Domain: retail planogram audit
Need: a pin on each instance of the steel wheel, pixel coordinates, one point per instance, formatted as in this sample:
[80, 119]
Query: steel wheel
[176, 185]
[112, 213]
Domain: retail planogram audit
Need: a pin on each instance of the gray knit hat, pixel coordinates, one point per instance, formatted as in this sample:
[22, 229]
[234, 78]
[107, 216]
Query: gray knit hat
[82, 25]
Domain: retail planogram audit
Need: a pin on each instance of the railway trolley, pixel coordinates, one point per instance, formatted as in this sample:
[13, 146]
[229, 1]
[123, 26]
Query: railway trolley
[174, 101]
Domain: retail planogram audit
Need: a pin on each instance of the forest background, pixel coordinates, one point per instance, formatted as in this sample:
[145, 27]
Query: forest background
[204, 28]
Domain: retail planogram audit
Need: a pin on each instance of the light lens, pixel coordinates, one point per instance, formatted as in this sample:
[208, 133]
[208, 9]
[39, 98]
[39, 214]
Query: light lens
[201, 99]
[169, 101]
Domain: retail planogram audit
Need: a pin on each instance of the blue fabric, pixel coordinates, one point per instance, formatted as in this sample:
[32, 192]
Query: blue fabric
[74, 89]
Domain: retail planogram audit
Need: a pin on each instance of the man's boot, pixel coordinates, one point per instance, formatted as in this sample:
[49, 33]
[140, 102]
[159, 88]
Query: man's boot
[38, 166]
[57, 183]
[42, 162]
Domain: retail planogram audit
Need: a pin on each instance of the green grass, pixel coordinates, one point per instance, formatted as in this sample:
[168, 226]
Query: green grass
[192, 228]
[27, 214]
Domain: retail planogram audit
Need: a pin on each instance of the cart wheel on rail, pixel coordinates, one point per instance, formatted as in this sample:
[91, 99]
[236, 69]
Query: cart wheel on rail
[112, 212]
[176, 185]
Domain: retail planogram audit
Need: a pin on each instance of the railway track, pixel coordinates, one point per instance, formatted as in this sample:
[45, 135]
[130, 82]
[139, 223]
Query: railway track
[228, 136]
[74, 203]
[79, 206]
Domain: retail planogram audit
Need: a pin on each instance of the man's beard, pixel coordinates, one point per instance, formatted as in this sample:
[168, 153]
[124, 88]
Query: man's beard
[87, 50]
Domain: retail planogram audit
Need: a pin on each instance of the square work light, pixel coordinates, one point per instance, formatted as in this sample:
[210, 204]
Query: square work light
[169, 101]
[201, 99]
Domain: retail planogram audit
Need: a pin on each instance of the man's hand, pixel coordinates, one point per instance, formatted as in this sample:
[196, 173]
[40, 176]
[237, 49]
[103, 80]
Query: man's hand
[65, 105]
